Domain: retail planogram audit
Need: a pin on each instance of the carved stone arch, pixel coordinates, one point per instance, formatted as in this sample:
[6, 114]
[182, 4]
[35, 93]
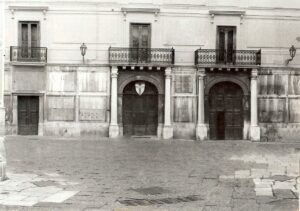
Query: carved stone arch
[149, 79]
[243, 86]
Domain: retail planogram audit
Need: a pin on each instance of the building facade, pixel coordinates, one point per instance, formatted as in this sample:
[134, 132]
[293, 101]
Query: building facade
[201, 70]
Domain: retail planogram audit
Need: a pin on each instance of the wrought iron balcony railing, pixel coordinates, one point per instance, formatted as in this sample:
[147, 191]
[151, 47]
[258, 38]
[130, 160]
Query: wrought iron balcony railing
[153, 56]
[28, 54]
[234, 57]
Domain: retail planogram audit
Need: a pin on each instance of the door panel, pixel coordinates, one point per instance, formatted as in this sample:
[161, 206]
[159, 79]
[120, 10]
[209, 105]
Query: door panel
[226, 111]
[221, 46]
[28, 115]
[140, 112]
[230, 46]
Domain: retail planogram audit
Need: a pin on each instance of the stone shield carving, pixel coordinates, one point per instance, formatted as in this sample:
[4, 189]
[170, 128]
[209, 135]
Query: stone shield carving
[140, 87]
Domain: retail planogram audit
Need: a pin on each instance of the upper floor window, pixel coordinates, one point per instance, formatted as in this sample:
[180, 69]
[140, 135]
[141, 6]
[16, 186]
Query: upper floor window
[29, 34]
[226, 43]
[140, 42]
[29, 38]
[28, 49]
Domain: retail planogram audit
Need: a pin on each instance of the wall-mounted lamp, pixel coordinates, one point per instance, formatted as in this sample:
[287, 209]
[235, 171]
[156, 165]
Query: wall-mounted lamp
[83, 49]
[292, 51]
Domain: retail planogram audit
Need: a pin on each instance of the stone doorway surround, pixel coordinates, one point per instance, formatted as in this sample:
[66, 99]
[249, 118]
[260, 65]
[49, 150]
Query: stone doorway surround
[251, 131]
[165, 128]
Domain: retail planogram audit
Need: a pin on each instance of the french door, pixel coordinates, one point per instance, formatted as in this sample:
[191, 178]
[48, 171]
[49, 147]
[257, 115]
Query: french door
[140, 43]
[226, 44]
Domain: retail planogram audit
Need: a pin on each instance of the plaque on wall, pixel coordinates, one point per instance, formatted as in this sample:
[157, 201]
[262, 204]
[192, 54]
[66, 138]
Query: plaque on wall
[183, 84]
[92, 114]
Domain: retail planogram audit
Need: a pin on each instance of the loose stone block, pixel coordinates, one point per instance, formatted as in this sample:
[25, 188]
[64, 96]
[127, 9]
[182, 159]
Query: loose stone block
[60, 196]
[283, 185]
[263, 191]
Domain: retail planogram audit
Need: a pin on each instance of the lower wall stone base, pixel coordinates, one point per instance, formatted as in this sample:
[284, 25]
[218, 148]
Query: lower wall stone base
[254, 133]
[113, 131]
[201, 132]
[167, 132]
[75, 129]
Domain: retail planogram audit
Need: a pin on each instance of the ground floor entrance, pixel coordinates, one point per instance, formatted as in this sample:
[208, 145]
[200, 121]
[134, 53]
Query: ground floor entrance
[28, 115]
[226, 116]
[140, 109]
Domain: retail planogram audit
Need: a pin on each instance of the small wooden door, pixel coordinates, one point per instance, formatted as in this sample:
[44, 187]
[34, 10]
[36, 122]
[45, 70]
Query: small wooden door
[226, 120]
[28, 115]
[140, 112]
[225, 44]
[140, 42]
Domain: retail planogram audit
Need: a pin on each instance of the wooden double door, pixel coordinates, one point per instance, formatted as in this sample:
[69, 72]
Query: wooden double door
[140, 110]
[226, 116]
[28, 115]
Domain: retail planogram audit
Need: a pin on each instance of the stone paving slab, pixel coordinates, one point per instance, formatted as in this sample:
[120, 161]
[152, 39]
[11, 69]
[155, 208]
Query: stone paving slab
[95, 175]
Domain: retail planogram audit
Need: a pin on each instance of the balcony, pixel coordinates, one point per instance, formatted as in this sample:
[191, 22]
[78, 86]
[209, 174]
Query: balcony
[28, 55]
[213, 57]
[141, 56]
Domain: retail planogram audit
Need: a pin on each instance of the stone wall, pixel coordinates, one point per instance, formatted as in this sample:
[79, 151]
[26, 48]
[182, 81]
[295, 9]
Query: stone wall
[74, 100]
[184, 102]
[279, 103]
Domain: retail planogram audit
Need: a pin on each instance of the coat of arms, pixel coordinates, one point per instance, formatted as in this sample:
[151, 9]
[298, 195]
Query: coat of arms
[140, 87]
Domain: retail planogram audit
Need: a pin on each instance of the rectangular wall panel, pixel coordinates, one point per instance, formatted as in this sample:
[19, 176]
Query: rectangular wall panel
[183, 83]
[92, 108]
[183, 109]
[272, 84]
[61, 108]
[294, 108]
[271, 110]
[61, 81]
[93, 81]
[29, 80]
[294, 84]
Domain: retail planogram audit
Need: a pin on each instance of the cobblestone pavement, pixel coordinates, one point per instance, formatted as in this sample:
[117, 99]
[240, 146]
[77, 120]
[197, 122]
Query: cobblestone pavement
[141, 174]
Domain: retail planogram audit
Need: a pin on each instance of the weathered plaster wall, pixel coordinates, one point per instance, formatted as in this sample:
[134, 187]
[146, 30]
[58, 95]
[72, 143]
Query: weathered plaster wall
[272, 26]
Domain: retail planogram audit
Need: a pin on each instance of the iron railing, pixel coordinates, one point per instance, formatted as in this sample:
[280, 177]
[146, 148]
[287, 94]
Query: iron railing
[234, 57]
[28, 54]
[161, 56]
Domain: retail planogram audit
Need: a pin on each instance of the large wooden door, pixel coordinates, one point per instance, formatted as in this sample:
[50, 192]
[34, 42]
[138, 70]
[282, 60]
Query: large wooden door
[226, 119]
[140, 42]
[226, 44]
[140, 112]
[28, 115]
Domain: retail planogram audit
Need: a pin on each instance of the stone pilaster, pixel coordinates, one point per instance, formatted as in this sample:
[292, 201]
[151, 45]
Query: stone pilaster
[201, 129]
[114, 127]
[254, 128]
[168, 129]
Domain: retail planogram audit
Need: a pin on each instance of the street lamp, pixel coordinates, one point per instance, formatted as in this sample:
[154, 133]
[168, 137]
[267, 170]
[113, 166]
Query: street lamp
[83, 49]
[292, 51]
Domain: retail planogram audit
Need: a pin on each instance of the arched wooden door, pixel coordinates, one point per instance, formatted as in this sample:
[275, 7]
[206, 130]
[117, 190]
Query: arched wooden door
[226, 116]
[140, 109]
